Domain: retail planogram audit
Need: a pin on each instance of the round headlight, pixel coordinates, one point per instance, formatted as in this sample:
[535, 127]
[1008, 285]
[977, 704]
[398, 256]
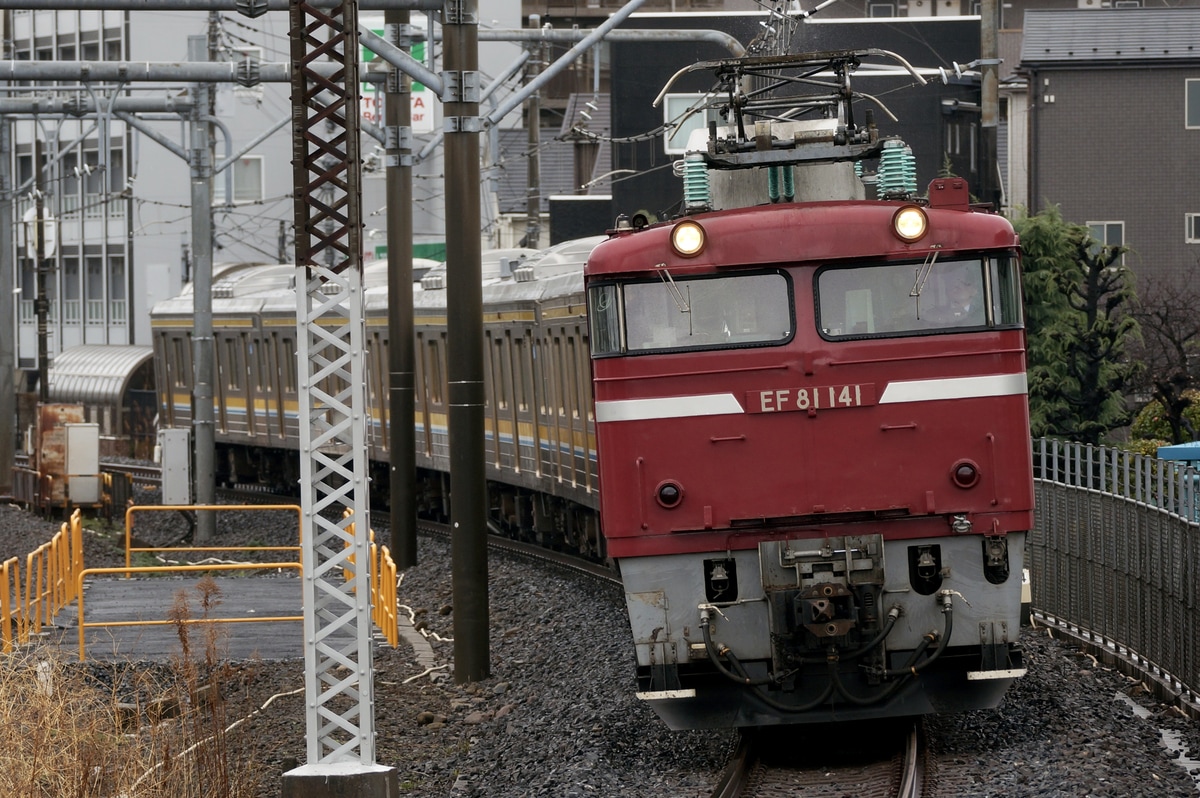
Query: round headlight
[910, 223]
[687, 239]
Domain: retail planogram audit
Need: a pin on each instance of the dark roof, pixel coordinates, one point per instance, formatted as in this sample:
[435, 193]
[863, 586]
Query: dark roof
[556, 168]
[1111, 35]
[556, 149]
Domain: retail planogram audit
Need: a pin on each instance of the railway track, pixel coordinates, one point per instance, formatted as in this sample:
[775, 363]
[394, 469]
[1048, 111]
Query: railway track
[888, 762]
[140, 473]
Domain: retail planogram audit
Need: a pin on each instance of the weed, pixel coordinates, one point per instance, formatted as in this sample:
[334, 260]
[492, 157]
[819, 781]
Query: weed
[91, 730]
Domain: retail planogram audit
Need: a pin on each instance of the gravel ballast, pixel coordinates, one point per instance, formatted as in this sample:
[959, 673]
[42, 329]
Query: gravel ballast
[557, 715]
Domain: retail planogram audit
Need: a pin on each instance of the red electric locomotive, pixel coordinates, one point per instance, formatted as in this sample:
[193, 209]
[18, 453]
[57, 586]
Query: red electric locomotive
[812, 429]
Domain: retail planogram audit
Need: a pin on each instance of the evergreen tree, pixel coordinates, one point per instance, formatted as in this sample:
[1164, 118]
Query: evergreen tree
[1075, 294]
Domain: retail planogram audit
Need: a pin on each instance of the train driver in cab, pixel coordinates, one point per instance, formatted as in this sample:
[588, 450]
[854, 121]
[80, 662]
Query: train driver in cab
[963, 304]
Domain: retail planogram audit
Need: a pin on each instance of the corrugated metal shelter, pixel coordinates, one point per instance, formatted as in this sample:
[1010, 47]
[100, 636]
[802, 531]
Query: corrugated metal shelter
[115, 385]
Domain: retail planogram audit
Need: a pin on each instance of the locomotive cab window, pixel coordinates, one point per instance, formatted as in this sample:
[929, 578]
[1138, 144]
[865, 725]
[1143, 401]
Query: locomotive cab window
[698, 313]
[933, 296]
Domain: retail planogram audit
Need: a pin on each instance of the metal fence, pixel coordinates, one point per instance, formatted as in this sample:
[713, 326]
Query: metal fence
[1114, 557]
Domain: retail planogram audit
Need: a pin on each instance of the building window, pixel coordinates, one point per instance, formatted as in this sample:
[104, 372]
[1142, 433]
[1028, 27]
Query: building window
[953, 138]
[881, 9]
[1127, 3]
[971, 144]
[1108, 234]
[681, 120]
[94, 290]
[247, 181]
[117, 311]
[72, 313]
[1192, 103]
[1193, 228]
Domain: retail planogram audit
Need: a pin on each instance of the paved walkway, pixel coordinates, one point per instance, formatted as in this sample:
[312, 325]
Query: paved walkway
[115, 599]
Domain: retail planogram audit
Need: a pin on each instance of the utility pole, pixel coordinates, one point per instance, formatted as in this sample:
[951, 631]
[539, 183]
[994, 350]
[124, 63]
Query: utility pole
[533, 123]
[402, 457]
[8, 343]
[464, 318]
[42, 303]
[989, 57]
[203, 355]
[8, 394]
[282, 241]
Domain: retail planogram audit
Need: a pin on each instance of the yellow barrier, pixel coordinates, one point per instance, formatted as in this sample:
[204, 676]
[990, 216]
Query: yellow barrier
[129, 548]
[50, 575]
[10, 589]
[382, 573]
[177, 569]
[383, 594]
[54, 575]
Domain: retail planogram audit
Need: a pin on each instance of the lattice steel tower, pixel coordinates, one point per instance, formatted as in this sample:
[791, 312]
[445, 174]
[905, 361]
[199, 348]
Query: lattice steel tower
[333, 446]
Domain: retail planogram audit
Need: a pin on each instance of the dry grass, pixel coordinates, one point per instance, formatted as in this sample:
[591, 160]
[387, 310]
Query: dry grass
[125, 732]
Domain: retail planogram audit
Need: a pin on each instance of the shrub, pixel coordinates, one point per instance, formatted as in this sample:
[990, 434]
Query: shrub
[1151, 421]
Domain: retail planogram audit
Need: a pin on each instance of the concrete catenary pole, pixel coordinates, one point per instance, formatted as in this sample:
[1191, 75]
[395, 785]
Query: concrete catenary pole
[8, 397]
[464, 318]
[402, 459]
[42, 303]
[533, 128]
[989, 57]
[203, 356]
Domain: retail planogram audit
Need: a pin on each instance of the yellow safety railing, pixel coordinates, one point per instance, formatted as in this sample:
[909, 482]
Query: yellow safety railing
[84, 626]
[132, 511]
[51, 573]
[10, 592]
[383, 593]
[54, 577]
[382, 573]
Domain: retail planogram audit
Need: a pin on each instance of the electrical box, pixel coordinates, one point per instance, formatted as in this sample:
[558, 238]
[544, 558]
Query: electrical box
[83, 463]
[175, 456]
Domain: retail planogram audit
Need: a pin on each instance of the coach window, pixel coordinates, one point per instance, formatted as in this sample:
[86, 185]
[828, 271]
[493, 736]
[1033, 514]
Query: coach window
[521, 379]
[181, 360]
[434, 388]
[289, 365]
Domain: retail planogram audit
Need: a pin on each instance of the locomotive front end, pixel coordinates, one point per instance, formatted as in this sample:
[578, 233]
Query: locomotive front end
[814, 475]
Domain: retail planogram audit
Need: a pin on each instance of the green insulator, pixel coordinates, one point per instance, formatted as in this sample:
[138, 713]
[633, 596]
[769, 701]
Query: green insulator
[773, 183]
[696, 196]
[789, 184]
[897, 171]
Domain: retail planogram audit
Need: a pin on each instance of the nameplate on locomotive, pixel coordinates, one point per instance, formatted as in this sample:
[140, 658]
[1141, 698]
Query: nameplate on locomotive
[820, 397]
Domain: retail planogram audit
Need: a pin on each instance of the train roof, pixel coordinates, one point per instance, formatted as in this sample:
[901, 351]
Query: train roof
[420, 267]
[254, 279]
[250, 289]
[492, 263]
[564, 257]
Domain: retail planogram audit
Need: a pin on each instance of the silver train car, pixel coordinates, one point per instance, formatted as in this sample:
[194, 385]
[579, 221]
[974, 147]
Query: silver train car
[540, 438]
